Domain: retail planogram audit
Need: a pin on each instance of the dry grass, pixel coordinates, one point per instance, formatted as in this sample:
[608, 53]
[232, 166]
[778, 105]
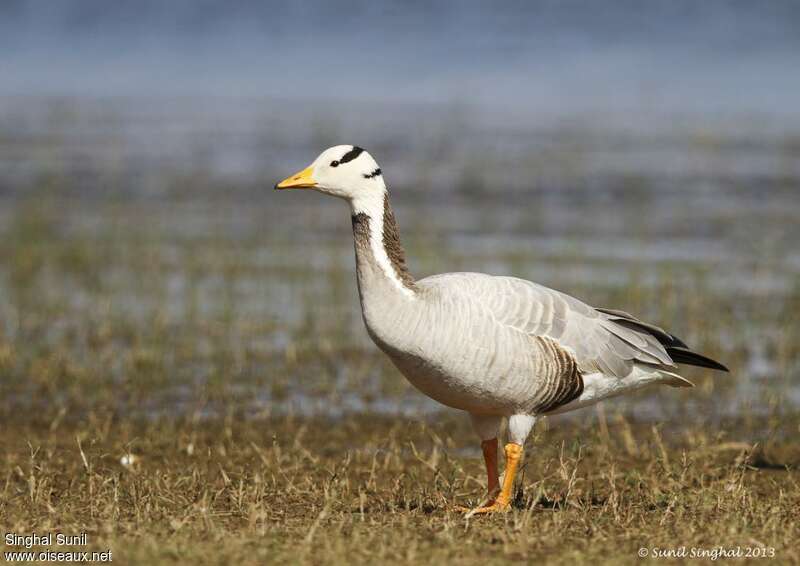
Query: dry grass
[369, 488]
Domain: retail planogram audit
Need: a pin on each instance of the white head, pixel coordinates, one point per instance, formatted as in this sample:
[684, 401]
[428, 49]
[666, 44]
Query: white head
[349, 172]
[344, 171]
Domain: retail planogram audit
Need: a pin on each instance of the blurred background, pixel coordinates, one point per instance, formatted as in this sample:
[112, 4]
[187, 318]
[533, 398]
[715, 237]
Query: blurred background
[640, 156]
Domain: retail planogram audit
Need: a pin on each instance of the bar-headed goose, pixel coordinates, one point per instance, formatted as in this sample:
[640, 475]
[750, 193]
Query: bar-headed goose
[491, 346]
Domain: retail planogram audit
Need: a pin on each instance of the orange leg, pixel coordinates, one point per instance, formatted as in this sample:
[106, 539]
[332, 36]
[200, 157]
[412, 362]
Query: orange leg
[503, 500]
[489, 448]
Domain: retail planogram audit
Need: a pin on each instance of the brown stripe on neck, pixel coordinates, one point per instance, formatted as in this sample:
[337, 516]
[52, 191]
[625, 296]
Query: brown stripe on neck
[361, 231]
[394, 249]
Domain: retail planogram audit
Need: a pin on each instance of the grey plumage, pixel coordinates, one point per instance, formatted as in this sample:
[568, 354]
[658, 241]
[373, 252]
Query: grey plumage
[678, 351]
[474, 341]
[596, 341]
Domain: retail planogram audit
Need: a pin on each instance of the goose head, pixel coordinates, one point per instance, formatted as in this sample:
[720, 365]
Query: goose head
[344, 171]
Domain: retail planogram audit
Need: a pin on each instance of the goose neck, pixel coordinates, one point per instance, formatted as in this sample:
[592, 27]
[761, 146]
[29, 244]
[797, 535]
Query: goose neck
[380, 258]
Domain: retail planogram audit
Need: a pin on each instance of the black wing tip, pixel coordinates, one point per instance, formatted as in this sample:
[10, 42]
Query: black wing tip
[687, 357]
[676, 348]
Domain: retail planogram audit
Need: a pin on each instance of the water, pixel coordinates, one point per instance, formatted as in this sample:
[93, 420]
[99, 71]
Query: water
[529, 59]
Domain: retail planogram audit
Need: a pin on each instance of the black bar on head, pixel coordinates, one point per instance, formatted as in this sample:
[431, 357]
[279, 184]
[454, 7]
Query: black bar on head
[350, 155]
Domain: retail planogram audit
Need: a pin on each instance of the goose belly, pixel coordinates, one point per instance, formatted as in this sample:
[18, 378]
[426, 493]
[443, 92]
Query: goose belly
[491, 371]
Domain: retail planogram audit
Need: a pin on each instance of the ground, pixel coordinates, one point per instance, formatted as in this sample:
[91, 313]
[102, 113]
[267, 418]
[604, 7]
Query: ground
[364, 489]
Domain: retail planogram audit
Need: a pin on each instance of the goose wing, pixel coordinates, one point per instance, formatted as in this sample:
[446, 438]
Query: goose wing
[597, 342]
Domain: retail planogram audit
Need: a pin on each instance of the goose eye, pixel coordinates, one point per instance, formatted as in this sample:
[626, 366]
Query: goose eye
[334, 163]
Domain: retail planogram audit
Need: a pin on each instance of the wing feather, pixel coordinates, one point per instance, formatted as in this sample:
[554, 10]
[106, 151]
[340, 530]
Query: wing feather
[594, 338]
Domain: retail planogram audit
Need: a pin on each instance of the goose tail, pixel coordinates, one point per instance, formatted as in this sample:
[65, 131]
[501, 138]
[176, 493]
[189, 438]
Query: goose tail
[675, 347]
